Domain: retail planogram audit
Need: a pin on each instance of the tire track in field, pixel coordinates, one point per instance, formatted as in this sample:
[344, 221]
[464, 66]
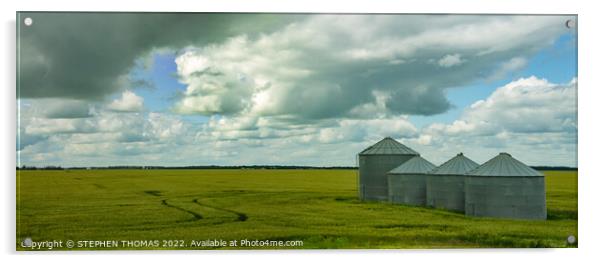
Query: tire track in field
[196, 215]
[99, 186]
[241, 216]
[153, 192]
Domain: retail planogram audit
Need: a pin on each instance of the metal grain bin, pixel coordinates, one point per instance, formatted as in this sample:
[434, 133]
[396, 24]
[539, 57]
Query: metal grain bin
[504, 187]
[407, 183]
[374, 163]
[445, 184]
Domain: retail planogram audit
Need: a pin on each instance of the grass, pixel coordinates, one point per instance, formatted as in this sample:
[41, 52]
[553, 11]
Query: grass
[319, 207]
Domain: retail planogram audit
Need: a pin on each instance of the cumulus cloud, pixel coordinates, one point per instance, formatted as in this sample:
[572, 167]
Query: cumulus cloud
[164, 127]
[210, 88]
[344, 66]
[128, 102]
[529, 117]
[524, 105]
[108, 137]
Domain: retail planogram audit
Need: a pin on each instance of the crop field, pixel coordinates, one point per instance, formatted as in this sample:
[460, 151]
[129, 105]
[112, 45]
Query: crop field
[318, 207]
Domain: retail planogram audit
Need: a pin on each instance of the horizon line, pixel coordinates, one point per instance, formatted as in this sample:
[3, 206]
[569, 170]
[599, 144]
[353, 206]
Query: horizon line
[199, 167]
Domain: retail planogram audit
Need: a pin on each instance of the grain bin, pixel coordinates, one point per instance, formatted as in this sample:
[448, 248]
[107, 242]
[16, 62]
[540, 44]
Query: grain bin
[374, 163]
[504, 187]
[407, 182]
[445, 184]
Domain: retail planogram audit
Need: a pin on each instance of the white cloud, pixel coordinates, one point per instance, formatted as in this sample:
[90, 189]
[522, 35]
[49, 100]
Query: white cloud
[367, 130]
[331, 66]
[529, 117]
[450, 60]
[527, 105]
[164, 127]
[508, 67]
[522, 106]
[105, 134]
[43, 126]
[129, 102]
[424, 139]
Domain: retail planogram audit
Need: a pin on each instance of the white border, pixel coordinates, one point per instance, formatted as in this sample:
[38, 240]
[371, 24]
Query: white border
[589, 129]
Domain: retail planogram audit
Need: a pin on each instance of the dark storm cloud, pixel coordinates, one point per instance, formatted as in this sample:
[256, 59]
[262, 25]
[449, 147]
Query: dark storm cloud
[83, 55]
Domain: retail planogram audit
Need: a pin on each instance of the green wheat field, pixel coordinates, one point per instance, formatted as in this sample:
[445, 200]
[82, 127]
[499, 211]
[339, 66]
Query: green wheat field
[318, 207]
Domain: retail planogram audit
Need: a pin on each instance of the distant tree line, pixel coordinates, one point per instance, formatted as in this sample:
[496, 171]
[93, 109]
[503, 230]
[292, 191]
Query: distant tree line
[193, 167]
[273, 167]
[554, 168]
[52, 167]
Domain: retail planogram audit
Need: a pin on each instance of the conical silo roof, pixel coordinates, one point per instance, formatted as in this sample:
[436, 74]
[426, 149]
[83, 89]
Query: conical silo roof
[504, 165]
[416, 165]
[388, 145]
[460, 164]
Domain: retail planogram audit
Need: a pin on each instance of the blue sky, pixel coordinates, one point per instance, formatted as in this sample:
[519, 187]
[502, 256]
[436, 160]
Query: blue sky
[557, 63]
[304, 90]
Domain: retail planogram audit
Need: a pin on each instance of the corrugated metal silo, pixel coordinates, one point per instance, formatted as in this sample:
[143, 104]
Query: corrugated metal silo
[374, 163]
[504, 187]
[407, 183]
[445, 184]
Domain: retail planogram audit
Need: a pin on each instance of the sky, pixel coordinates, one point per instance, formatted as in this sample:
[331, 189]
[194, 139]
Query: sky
[293, 89]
